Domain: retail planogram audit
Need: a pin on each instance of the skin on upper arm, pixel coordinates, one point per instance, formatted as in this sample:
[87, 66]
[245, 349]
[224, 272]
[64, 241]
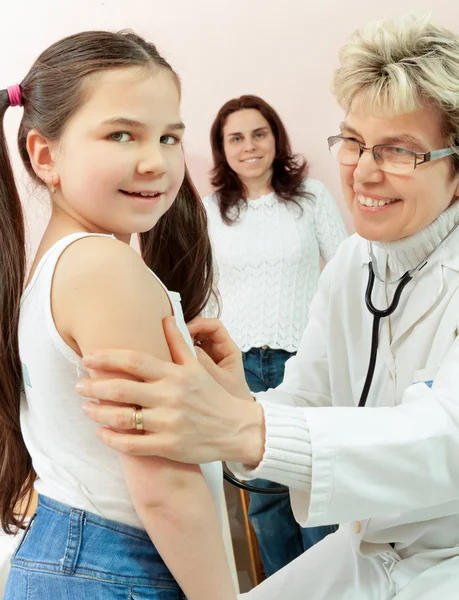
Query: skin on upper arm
[104, 296]
[103, 293]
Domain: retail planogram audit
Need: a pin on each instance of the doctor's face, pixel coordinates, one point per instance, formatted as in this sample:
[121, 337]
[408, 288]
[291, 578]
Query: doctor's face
[387, 207]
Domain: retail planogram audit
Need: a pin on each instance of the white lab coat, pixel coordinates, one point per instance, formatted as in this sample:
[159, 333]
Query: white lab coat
[388, 472]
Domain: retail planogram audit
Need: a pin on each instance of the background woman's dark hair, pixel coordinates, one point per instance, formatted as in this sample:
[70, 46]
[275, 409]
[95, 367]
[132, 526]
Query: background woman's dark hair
[178, 249]
[289, 169]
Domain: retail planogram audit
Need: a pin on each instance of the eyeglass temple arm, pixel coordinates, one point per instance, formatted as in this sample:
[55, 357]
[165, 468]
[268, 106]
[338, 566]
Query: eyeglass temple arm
[434, 154]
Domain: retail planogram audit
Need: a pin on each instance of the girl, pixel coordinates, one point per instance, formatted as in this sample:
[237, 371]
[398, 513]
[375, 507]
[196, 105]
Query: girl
[102, 130]
[269, 224]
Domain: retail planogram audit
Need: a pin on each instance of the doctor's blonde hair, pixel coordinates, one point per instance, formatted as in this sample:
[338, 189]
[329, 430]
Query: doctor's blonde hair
[401, 65]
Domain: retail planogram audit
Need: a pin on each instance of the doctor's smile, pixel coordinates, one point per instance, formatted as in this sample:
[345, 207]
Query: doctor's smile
[374, 202]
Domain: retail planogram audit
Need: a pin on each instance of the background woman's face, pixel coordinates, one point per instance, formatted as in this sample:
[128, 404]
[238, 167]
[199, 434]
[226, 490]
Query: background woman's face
[413, 200]
[249, 144]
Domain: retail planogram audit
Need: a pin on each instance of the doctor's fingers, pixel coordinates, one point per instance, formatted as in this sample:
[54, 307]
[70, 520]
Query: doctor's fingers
[150, 444]
[123, 391]
[209, 329]
[124, 417]
[137, 364]
[213, 337]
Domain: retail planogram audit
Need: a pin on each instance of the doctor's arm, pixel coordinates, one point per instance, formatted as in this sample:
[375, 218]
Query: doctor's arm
[375, 462]
[403, 458]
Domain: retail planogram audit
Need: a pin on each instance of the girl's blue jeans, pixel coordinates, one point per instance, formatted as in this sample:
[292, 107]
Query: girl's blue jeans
[70, 554]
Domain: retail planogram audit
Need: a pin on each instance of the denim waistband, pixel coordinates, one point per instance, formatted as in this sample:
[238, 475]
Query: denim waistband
[65, 509]
[267, 351]
[70, 541]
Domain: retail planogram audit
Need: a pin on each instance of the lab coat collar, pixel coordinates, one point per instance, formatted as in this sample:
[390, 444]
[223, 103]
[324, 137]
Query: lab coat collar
[451, 254]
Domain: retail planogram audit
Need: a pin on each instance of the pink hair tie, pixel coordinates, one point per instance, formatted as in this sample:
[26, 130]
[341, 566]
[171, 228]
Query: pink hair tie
[15, 95]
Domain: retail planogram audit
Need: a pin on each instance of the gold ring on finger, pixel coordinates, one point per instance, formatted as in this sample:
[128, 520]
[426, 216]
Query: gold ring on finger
[139, 419]
[134, 418]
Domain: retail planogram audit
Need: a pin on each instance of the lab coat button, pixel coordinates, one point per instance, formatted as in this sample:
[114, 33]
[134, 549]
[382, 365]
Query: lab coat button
[356, 527]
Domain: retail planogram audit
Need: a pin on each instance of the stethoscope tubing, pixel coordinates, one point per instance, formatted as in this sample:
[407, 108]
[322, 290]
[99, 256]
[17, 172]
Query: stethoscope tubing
[377, 316]
[281, 489]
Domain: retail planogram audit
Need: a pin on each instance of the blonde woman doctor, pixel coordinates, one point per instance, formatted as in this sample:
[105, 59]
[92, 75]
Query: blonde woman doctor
[387, 471]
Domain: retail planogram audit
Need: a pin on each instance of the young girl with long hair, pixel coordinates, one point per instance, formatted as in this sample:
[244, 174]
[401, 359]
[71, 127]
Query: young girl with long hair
[102, 131]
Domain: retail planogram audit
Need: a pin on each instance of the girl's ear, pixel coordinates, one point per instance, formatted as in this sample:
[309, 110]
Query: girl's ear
[42, 153]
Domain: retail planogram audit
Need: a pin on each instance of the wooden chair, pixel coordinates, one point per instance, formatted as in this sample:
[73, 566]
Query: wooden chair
[258, 573]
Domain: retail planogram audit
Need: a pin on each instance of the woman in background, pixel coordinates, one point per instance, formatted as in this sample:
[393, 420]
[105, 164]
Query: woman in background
[269, 224]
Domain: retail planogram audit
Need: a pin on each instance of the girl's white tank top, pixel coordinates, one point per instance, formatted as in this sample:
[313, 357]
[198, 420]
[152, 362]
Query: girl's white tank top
[73, 466]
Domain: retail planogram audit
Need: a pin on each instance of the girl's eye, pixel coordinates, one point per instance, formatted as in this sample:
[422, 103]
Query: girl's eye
[236, 139]
[261, 134]
[121, 136]
[170, 140]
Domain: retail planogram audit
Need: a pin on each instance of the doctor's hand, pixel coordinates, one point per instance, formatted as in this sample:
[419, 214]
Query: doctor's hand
[219, 355]
[187, 416]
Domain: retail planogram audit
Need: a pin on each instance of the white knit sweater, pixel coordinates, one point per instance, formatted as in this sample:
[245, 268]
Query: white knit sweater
[268, 264]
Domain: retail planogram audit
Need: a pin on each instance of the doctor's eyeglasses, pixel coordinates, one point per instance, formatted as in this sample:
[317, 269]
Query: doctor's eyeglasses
[390, 159]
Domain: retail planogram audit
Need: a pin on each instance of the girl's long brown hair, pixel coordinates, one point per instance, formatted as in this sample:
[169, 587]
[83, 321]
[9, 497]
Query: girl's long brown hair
[289, 169]
[177, 249]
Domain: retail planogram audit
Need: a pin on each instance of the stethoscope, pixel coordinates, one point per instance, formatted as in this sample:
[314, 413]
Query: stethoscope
[378, 314]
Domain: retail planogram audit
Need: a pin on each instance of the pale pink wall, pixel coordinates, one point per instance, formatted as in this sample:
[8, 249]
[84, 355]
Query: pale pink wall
[282, 50]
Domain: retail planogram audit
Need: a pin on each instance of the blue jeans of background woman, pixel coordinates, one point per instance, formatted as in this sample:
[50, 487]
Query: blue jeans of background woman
[70, 554]
[280, 538]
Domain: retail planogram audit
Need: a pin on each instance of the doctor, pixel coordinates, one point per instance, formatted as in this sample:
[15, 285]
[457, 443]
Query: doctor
[389, 472]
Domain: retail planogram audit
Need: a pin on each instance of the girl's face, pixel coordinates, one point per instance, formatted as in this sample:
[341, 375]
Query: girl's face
[387, 207]
[120, 160]
[249, 144]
